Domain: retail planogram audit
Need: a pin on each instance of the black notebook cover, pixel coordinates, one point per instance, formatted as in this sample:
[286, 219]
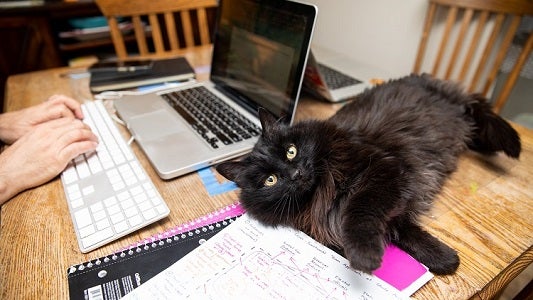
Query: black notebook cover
[113, 276]
[163, 70]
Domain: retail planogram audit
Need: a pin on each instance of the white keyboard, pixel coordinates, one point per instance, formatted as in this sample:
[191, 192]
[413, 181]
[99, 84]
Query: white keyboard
[109, 194]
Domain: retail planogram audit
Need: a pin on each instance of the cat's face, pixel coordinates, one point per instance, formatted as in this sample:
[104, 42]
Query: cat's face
[278, 177]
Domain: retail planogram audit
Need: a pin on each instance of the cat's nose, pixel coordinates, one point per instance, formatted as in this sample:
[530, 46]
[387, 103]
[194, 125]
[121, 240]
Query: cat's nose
[295, 174]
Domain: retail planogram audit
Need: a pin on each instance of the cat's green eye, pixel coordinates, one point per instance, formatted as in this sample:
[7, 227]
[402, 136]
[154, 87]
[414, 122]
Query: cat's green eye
[271, 180]
[291, 152]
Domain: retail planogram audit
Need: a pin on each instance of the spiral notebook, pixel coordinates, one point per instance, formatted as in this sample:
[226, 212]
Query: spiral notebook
[91, 278]
[115, 275]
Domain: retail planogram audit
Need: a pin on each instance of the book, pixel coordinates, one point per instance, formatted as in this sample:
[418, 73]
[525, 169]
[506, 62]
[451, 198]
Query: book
[395, 261]
[115, 275]
[248, 259]
[161, 71]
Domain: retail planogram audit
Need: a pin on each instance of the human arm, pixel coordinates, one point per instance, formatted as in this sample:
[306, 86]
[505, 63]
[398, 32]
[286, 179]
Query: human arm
[14, 125]
[42, 154]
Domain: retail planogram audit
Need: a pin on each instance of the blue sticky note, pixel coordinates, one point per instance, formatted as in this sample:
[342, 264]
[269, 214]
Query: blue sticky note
[212, 185]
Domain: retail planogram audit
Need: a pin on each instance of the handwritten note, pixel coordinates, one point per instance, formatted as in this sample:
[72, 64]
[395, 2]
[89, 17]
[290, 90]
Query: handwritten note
[249, 259]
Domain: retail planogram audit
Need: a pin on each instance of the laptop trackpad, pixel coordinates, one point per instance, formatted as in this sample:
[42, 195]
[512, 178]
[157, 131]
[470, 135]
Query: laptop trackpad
[155, 125]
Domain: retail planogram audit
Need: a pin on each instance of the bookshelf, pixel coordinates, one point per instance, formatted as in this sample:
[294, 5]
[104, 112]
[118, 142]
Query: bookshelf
[32, 29]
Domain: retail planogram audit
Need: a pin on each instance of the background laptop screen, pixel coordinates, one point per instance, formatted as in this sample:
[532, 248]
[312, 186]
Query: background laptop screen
[260, 51]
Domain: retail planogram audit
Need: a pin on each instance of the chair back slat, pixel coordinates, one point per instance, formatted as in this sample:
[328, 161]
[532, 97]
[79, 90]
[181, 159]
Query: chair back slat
[459, 42]
[474, 43]
[450, 20]
[156, 33]
[501, 53]
[508, 86]
[203, 26]
[489, 46]
[170, 24]
[140, 36]
[425, 36]
[187, 28]
[116, 35]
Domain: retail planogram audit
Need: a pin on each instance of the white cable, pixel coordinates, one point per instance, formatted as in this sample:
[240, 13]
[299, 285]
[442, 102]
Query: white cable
[113, 95]
[118, 120]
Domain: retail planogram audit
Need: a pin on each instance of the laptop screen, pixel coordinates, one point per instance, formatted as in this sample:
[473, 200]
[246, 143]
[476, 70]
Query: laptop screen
[260, 50]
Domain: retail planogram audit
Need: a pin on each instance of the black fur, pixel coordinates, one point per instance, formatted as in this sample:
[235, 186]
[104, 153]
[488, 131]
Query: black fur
[361, 178]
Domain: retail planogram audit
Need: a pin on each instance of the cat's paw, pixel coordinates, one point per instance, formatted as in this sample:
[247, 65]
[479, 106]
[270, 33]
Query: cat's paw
[434, 254]
[445, 263]
[365, 256]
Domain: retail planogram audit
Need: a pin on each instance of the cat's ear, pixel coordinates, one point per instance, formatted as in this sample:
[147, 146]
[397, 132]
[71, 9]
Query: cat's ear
[268, 121]
[230, 170]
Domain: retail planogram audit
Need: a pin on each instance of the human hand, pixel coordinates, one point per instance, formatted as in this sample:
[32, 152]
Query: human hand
[43, 153]
[14, 125]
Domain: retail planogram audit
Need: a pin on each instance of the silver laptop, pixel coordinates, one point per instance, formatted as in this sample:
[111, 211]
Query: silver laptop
[336, 77]
[259, 56]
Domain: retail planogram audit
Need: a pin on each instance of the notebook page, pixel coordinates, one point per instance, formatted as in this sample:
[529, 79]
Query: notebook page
[249, 259]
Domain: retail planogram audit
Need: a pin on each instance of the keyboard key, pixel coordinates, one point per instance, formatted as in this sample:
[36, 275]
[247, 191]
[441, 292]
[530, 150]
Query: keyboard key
[135, 220]
[140, 197]
[85, 231]
[98, 206]
[113, 209]
[130, 212]
[149, 214]
[99, 215]
[94, 164]
[117, 217]
[77, 203]
[127, 203]
[83, 217]
[110, 201]
[97, 237]
[70, 175]
[144, 206]
[102, 224]
[121, 226]
[83, 169]
[87, 190]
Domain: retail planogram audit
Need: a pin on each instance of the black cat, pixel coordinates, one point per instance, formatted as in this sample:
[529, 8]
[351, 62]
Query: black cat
[361, 178]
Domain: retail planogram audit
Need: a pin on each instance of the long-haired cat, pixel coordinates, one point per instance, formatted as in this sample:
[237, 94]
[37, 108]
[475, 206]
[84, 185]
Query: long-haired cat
[361, 178]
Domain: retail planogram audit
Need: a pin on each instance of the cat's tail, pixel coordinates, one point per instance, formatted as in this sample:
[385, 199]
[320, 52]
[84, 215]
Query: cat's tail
[491, 133]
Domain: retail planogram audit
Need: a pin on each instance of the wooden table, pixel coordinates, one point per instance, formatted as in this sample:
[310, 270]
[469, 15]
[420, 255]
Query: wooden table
[484, 211]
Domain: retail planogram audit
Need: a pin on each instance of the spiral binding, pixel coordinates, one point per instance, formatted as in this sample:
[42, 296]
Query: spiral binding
[150, 245]
[229, 211]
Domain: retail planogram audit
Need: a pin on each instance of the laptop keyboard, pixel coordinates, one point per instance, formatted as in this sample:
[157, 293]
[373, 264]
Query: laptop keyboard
[108, 192]
[335, 79]
[215, 121]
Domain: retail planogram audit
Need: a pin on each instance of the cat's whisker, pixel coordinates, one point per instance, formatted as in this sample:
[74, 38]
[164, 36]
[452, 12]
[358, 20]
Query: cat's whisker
[279, 207]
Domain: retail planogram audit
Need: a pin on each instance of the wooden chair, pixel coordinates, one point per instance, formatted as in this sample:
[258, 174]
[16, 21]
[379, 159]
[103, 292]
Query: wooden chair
[185, 25]
[476, 35]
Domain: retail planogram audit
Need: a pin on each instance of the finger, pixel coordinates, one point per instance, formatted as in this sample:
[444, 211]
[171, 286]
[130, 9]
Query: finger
[72, 105]
[75, 133]
[75, 149]
[58, 110]
[65, 124]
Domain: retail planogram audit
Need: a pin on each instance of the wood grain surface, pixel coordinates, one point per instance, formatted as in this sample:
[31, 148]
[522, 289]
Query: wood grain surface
[484, 211]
